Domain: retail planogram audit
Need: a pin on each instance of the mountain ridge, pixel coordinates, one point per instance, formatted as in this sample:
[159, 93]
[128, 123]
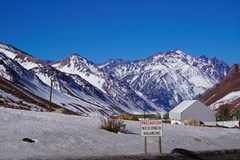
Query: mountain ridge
[154, 73]
[154, 84]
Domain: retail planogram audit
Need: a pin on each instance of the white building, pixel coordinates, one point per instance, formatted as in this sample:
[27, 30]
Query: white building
[192, 109]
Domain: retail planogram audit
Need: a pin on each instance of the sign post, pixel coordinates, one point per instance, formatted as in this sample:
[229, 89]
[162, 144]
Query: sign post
[145, 145]
[151, 128]
[160, 145]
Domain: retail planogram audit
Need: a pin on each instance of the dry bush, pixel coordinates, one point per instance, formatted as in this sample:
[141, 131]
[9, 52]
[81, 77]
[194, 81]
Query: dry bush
[193, 122]
[112, 124]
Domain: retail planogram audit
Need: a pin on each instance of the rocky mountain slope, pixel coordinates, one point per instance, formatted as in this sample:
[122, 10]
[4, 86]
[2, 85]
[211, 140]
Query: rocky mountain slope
[227, 92]
[169, 78]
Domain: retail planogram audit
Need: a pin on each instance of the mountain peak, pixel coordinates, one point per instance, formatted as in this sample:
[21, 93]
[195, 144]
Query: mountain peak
[172, 53]
[234, 69]
[203, 57]
[73, 59]
[115, 61]
[75, 54]
[177, 51]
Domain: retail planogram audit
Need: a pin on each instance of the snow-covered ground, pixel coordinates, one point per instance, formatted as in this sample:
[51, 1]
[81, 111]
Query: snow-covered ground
[58, 135]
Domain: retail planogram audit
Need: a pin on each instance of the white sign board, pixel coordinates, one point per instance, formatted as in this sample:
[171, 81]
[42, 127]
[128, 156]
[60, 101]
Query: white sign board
[151, 128]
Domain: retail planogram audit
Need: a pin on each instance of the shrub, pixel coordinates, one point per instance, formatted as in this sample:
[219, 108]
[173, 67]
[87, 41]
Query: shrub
[193, 122]
[112, 124]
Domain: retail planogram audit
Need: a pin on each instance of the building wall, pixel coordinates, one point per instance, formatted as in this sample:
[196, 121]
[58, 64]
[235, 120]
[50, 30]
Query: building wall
[198, 111]
[174, 116]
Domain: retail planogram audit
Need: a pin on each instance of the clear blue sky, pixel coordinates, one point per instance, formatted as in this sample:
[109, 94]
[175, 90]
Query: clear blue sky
[128, 29]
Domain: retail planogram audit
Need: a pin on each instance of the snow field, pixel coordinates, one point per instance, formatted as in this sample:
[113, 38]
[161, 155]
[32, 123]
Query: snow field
[60, 135]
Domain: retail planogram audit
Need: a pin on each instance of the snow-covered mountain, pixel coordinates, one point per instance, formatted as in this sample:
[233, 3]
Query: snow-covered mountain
[169, 78]
[132, 100]
[82, 99]
[18, 85]
[76, 64]
[154, 84]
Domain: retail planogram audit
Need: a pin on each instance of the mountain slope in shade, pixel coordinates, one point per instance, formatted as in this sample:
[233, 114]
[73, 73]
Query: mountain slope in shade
[18, 86]
[167, 79]
[226, 92]
[67, 93]
[77, 88]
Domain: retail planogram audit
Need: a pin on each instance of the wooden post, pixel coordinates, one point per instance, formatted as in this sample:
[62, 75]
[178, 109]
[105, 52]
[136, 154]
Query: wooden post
[160, 140]
[145, 145]
[145, 138]
[50, 97]
[160, 145]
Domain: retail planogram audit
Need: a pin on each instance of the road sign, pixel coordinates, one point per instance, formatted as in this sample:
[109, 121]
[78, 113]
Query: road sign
[151, 128]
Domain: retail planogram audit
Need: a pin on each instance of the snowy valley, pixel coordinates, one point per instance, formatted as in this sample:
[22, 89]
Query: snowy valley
[80, 87]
